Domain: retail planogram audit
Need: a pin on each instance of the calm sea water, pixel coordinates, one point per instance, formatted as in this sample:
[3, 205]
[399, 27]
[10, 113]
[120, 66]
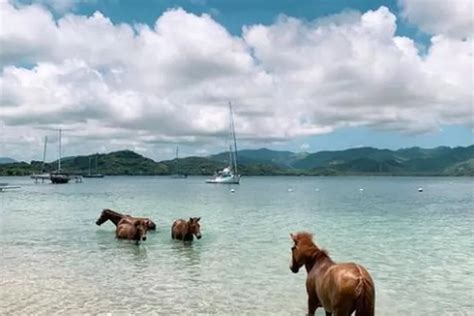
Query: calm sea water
[54, 259]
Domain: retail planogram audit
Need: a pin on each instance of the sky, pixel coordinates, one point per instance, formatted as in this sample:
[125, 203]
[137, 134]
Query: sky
[304, 75]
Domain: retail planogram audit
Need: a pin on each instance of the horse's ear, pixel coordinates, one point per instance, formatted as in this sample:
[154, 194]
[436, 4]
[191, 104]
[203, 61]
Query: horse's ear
[198, 219]
[293, 237]
[191, 219]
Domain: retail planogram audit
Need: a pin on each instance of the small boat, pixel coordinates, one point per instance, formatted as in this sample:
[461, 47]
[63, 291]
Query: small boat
[229, 175]
[90, 174]
[58, 177]
[225, 176]
[178, 174]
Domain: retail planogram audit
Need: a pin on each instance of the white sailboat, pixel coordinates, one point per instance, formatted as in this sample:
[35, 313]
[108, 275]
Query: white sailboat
[59, 177]
[230, 174]
[43, 175]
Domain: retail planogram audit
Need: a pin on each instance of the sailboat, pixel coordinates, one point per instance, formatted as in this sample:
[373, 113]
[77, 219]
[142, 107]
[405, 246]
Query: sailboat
[43, 175]
[90, 174]
[177, 174]
[58, 177]
[229, 175]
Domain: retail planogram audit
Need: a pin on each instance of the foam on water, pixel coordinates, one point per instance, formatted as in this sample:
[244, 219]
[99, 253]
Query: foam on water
[56, 260]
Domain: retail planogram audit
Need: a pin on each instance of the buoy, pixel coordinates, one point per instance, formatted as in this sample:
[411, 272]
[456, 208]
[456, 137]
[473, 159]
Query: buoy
[361, 189]
[420, 189]
[316, 189]
[290, 190]
[232, 190]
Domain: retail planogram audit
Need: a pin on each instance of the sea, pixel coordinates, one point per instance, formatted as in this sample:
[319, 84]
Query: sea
[418, 246]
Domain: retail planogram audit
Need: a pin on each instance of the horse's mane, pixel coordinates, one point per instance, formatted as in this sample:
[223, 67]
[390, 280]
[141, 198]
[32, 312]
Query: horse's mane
[106, 210]
[322, 254]
[307, 238]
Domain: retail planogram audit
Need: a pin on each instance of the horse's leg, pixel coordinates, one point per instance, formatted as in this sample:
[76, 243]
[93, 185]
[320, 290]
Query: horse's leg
[312, 305]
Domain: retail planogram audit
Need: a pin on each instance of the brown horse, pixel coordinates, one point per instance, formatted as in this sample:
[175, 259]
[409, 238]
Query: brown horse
[132, 229]
[116, 217]
[186, 230]
[340, 288]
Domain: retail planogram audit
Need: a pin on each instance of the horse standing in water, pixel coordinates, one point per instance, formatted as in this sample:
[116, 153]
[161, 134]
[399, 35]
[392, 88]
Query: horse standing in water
[186, 230]
[116, 217]
[132, 229]
[340, 288]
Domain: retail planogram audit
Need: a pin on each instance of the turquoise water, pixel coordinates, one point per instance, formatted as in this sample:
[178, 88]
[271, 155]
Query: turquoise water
[417, 246]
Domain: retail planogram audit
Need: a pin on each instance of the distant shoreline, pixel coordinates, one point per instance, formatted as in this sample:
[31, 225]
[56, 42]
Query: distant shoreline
[364, 161]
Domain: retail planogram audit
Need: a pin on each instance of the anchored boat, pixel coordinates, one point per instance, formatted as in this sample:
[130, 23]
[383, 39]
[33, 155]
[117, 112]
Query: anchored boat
[230, 174]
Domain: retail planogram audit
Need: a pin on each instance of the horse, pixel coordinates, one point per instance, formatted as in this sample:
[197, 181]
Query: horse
[116, 217]
[340, 288]
[186, 230]
[132, 229]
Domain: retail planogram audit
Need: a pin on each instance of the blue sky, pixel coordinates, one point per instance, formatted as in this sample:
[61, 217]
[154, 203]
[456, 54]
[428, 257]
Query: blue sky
[411, 92]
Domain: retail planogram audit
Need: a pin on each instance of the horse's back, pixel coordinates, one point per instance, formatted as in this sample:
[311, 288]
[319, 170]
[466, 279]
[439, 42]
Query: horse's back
[341, 285]
[177, 229]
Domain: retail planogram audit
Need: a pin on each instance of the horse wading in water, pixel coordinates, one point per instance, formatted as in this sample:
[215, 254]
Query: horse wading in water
[340, 288]
[186, 230]
[132, 229]
[116, 217]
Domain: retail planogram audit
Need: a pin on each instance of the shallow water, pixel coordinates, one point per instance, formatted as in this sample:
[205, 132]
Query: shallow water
[417, 246]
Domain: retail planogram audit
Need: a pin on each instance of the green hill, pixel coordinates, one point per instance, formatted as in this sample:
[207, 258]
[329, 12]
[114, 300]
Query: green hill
[458, 161]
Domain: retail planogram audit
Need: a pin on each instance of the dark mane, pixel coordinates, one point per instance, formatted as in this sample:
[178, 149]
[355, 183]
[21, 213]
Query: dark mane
[106, 210]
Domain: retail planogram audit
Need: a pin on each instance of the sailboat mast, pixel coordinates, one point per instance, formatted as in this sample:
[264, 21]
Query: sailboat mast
[177, 162]
[59, 149]
[233, 136]
[90, 163]
[44, 152]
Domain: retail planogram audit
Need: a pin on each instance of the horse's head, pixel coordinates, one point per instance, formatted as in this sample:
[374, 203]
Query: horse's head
[141, 227]
[301, 251]
[150, 224]
[194, 227]
[102, 218]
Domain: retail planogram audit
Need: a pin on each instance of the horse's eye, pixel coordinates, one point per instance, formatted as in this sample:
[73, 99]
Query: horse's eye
[293, 248]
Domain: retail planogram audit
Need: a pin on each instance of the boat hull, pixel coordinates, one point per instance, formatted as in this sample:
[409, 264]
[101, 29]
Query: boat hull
[224, 180]
[59, 178]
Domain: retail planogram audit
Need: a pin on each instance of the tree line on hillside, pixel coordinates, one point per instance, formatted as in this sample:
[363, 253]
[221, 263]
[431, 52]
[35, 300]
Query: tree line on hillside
[440, 161]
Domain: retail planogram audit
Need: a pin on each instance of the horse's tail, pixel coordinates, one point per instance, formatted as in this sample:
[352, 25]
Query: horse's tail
[365, 304]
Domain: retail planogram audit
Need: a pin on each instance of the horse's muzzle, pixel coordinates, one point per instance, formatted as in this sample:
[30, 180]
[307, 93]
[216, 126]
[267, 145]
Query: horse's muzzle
[198, 236]
[144, 238]
[294, 269]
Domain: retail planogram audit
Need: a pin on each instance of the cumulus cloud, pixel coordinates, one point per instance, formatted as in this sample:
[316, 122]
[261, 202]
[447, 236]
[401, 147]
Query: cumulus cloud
[141, 85]
[452, 18]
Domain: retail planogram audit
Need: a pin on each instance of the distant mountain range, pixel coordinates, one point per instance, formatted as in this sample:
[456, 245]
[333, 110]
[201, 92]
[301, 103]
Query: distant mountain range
[4, 160]
[439, 161]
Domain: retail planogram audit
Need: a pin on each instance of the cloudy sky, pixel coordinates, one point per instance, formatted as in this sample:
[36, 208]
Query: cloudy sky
[303, 75]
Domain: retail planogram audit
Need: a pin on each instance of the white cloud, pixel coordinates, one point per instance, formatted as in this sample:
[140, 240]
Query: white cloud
[453, 18]
[138, 86]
